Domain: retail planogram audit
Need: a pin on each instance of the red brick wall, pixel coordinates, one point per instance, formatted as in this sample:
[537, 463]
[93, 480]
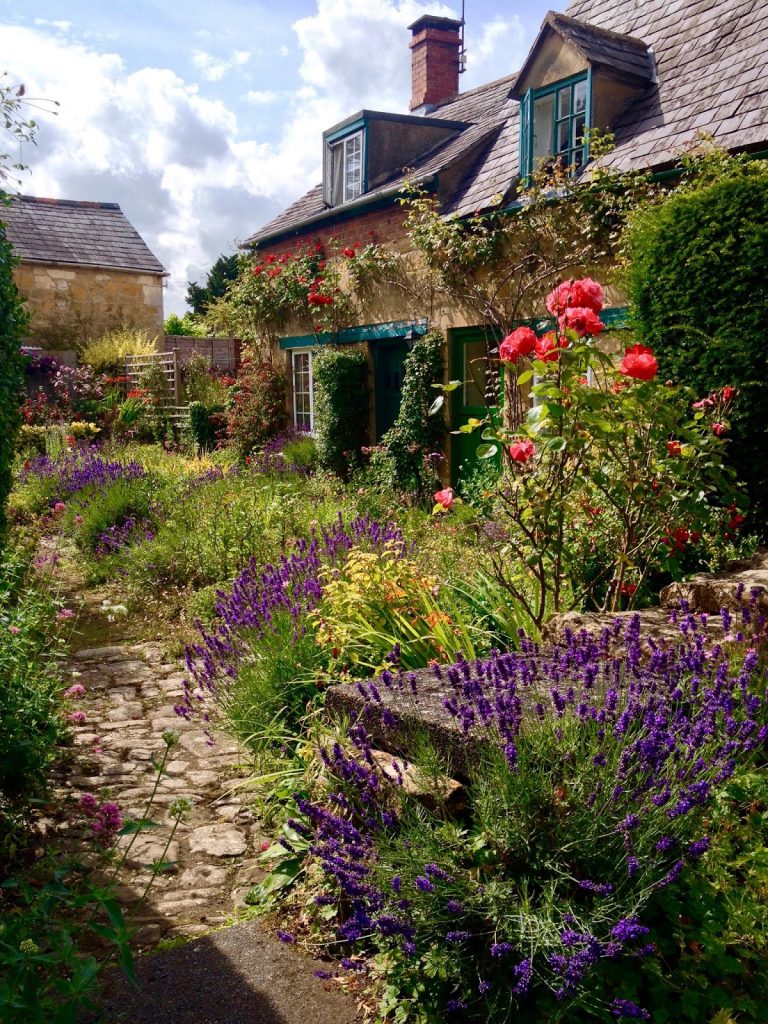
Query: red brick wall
[385, 225]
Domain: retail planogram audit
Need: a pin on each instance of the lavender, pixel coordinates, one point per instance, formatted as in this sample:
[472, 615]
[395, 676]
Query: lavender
[80, 469]
[616, 759]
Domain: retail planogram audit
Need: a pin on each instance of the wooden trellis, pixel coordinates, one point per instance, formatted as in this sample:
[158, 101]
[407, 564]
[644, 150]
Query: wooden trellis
[170, 406]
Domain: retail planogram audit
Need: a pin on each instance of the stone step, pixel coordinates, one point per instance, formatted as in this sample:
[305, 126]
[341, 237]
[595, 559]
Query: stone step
[728, 589]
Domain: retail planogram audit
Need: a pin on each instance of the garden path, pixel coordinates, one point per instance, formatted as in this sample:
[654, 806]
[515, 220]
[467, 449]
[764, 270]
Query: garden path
[225, 976]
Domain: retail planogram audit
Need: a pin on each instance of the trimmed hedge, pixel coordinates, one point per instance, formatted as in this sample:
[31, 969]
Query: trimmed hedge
[698, 284]
[341, 407]
[13, 319]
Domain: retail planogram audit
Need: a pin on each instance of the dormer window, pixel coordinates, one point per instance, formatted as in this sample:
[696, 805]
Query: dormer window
[344, 169]
[553, 126]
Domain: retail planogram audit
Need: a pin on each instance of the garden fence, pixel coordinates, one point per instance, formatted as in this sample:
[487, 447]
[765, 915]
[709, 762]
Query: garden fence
[169, 404]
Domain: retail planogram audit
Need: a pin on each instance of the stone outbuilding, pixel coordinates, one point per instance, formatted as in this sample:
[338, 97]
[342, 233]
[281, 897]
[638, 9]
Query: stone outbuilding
[83, 270]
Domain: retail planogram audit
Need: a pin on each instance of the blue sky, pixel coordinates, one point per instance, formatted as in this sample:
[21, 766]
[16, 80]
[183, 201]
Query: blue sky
[203, 119]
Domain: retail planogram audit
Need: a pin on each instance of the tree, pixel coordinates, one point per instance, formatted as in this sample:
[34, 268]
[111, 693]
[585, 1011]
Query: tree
[217, 283]
[12, 313]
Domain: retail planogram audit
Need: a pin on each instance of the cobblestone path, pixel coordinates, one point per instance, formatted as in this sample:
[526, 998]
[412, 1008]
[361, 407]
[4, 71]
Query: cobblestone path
[130, 693]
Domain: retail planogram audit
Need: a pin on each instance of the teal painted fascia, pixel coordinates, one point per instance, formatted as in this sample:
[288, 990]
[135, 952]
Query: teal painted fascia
[343, 132]
[352, 335]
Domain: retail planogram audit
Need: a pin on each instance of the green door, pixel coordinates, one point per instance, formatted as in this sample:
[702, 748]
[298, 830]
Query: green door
[388, 369]
[469, 364]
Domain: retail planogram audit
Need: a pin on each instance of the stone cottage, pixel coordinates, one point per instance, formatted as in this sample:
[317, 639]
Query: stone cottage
[655, 73]
[83, 270]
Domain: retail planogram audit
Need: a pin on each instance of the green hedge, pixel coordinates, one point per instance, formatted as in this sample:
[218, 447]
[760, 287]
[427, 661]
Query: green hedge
[12, 322]
[698, 284]
[341, 407]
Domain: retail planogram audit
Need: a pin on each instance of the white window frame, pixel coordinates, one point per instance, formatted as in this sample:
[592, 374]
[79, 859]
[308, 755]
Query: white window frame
[310, 367]
[336, 196]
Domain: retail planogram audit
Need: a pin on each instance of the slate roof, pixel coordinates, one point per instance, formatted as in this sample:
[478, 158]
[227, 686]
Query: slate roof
[617, 50]
[710, 60]
[73, 233]
[708, 55]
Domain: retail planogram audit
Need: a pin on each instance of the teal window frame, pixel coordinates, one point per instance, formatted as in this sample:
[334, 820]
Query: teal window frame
[565, 87]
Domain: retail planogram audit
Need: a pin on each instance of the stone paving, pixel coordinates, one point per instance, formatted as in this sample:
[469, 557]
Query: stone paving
[130, 694]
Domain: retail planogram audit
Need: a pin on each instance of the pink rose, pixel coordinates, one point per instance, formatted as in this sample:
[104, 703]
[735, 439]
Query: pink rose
[639, 362]
[522, 450]
[582, 320]
[547, 347]
[586, 294]
[718, 429]
[519, 343]
[444, 498]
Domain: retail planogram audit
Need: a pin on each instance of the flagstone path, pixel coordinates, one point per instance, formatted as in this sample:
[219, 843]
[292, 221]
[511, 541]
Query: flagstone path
[220, 975]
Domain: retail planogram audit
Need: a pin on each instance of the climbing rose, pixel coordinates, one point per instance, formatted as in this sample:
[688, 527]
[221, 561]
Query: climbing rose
[582, 320]
[521, 451]
[547, 346]
[444, 498]
[586, 294]
[718, 429]
[727, 393]
[639, 362]
[519, 343]
[674, 448]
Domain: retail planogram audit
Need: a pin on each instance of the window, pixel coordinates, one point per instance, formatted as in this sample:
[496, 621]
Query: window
[303, 387]
[344, 170]
[553, 124]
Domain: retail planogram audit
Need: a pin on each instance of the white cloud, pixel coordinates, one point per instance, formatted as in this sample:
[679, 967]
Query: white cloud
[62, 26]
[213, 69]
[194, 173]
[262, 96]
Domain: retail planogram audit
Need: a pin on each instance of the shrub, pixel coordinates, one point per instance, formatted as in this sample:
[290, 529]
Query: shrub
[258, 409]
[412, 444]
[341, 407]
[12, 321]
[203, 425]
[31, 723]
[592, 784]
[698, 288]
[107, 353]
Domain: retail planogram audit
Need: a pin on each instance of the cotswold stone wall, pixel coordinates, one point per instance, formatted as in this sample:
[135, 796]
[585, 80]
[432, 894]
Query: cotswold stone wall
[68, 305]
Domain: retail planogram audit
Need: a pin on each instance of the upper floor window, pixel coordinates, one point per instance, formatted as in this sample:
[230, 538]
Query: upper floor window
[553, 126]
[344, 169]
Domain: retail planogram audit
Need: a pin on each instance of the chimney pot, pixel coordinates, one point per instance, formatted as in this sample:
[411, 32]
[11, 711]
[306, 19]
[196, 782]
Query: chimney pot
[435, 60]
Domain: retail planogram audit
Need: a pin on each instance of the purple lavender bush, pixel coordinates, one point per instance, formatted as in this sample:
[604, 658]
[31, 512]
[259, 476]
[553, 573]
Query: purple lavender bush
[591, 796]
[261, 659]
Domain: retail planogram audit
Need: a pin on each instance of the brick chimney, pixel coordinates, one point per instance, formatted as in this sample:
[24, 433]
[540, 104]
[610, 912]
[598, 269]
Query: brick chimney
[435, 49]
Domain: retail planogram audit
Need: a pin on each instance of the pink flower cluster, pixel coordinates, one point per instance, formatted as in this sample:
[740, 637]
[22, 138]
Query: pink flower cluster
[106, 819]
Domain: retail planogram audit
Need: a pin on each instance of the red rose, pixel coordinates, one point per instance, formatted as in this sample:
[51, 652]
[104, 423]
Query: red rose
[270, 259]
[258, 269]
[444, 498]
[718, 429]
[582, 320]
[639, 362]
[522, 450]
[519, 343]
[674, 448]
[349, 253]
[727, 393]
[628, 588]
[546, 349]
[586, 293]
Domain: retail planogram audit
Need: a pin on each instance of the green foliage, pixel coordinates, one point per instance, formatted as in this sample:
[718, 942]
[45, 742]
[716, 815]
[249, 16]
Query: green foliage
[13, 319]
[107, 353]
[183, 326]
[412, 445]
[698, 287]
[98, 509]
[341, 407]
[259, 405]
[220, 276]
[30, 703]
[203, 427]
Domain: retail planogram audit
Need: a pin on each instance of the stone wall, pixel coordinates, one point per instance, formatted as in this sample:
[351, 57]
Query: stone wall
[69, 304]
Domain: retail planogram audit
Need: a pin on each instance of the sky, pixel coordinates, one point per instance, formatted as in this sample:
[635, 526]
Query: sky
[203, 120]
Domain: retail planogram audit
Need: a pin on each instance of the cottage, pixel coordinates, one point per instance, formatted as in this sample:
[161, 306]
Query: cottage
[655, 73]
[83, 269]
